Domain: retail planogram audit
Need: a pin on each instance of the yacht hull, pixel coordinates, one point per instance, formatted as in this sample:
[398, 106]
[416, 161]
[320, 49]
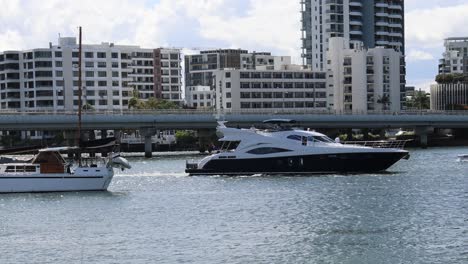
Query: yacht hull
[53, 183]
[317, 163]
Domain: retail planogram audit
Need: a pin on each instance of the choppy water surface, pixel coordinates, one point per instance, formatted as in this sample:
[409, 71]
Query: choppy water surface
[154, 213]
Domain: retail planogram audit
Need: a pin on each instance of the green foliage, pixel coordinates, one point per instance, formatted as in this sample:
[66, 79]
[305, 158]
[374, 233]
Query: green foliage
[385, 101]
[185, 138]
[151, 103]
[10, 140]
[452, 78]
[420, 100]
[88, 107]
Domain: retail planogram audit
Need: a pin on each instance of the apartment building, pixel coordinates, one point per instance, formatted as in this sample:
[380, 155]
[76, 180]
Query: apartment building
[200, 97]
[47, 78]
[199, 68]
[284, 88]
[372, 22]
[362, 79]
[449, 96]
[455, 57]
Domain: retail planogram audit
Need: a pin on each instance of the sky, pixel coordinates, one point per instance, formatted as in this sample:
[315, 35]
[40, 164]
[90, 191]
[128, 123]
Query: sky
[256, 25]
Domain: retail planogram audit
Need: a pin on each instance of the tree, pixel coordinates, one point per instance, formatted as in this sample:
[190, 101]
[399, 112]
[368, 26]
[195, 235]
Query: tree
[420, 100]
[445, 78]
[152, 103]
[185, 138]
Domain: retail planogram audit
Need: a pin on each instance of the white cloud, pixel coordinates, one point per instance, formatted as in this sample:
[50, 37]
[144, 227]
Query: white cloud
[269, 24]
[10, 40]
[423, 84]
[264, 25]
[428, 27]
[418, 55]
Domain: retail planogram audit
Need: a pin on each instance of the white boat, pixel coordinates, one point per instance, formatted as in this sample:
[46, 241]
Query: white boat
[290, 151]
[48, 171]
[463, 157]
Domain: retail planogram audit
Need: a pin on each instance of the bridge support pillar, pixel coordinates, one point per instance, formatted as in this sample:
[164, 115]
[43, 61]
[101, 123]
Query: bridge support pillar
[423, 133]
[148, 133]
[117, 135]
[148, 146]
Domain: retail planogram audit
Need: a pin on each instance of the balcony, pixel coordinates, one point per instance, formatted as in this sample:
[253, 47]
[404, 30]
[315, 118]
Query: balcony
[334, 2]
[382, 5]
[380, 14]
[355, 13]
[355, 3]
[382, 24]
[395, 25]
[381, 42]
[355, 23]
[397, 16]
[394, 6]
[382, 33]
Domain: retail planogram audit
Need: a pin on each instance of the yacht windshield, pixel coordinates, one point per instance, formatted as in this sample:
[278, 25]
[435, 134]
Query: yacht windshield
[229, 145]
[324, 139]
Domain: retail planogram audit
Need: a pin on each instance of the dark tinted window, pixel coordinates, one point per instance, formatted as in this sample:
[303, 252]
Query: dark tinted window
[295, 137]
[260, 151]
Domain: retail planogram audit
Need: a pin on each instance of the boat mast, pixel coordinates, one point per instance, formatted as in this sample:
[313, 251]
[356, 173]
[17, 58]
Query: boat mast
[79, 87]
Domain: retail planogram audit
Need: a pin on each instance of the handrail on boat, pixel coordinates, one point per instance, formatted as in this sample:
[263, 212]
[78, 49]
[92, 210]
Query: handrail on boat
[395, 144]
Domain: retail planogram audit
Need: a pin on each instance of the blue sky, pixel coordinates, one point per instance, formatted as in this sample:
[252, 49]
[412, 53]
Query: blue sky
[257, 25]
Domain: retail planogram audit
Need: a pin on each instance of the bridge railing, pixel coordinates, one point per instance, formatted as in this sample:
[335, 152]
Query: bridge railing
[232, 112]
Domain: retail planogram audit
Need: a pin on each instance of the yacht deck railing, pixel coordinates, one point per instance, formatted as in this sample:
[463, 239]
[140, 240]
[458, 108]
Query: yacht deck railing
[395, 144]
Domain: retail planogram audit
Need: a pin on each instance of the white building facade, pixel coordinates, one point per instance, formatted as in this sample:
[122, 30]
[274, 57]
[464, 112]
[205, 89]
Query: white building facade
[47, 79]
[361, 79]
[455, 57]
[200, 68]
[199, 97]
[450, 96]
[288, 88]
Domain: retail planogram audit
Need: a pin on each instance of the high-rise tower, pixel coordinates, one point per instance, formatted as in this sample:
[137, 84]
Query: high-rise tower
[372, 22]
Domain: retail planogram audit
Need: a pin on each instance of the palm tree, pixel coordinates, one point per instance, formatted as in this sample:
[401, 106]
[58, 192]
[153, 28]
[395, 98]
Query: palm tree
[420, 100]
[385, 101]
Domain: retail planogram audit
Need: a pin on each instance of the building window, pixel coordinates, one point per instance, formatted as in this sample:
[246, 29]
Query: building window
[228, 85]
[228, 95]
[245, 105]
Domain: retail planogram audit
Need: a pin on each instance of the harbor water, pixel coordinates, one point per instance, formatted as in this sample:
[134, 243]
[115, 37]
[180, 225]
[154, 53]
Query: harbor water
[417, 212]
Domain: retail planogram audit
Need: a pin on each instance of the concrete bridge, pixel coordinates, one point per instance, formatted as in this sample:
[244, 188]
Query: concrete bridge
[150, 121]
[195, 119]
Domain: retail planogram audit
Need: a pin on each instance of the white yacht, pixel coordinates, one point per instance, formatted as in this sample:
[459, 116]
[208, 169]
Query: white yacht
[283, 150]
[49, 172]
[463, 157]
